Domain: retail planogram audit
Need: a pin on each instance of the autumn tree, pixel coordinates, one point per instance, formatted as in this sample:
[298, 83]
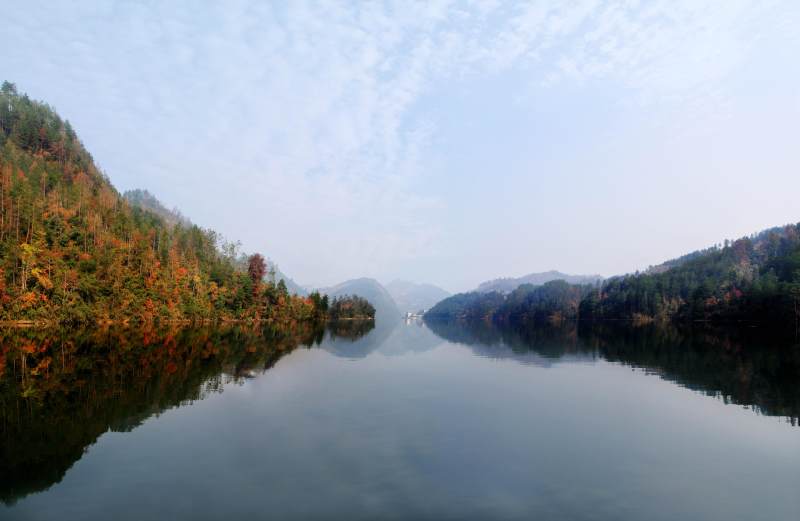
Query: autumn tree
[256, 268]
[72, 249]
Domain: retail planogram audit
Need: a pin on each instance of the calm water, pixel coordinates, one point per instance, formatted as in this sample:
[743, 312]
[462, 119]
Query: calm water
[401, 421]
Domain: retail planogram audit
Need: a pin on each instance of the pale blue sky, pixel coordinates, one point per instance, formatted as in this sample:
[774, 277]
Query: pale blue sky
[448, 142]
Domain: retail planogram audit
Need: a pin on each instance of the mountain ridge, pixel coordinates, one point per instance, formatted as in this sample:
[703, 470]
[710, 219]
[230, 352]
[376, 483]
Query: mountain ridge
[413, 296]
[509, 284]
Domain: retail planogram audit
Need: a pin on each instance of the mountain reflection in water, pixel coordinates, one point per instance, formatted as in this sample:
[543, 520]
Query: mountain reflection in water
[61, 390]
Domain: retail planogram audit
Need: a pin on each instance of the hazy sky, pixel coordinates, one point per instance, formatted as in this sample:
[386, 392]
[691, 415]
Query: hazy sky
[447, 142]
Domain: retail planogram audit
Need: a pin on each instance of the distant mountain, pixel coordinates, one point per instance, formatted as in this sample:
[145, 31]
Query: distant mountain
[414, 297]
[372, 290]
[291, 285]
[507, 285]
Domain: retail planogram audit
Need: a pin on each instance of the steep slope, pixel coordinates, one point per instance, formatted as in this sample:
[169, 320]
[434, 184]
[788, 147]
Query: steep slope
[73, 249]
[507, 285]
[147, 201]
[372, 290]
[413, 297]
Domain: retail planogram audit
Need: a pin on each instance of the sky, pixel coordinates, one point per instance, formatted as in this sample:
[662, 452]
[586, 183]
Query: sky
[442, 142]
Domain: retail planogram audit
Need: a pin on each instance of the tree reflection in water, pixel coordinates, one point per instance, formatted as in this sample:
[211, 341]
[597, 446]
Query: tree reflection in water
[745, 366]
[60, 390]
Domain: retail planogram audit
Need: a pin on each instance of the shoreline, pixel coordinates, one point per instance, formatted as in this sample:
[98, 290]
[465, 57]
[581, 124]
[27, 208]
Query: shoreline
[44, 324]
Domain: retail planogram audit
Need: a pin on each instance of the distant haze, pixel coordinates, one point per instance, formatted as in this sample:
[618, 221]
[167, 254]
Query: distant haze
[386, 309]
[413, 297]
[449, 144]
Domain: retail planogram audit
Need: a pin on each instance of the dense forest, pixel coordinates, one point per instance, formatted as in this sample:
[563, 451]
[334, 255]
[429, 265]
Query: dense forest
[754, 279]
[72, 249]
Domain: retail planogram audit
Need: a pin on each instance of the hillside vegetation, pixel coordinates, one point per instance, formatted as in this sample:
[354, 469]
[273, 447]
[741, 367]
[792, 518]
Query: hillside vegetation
[72, 249]
[147, 201]
[754, 279]
[507, 285]
[370, 289]
[350, 307]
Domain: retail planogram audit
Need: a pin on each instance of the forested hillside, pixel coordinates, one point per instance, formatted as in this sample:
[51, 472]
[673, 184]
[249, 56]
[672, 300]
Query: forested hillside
[147, 201]
[755, 279]
[468, 306]
[507, 285]
[72, 249]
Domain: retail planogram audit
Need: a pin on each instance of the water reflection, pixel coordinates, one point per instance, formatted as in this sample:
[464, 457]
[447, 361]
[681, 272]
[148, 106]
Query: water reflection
[61, 390]
[389, 337]
[745, 366]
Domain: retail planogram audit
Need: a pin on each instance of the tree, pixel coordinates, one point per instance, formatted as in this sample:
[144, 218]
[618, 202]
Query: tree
[256, 268]
[28, 256]
[8, 88]
[794, 292]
